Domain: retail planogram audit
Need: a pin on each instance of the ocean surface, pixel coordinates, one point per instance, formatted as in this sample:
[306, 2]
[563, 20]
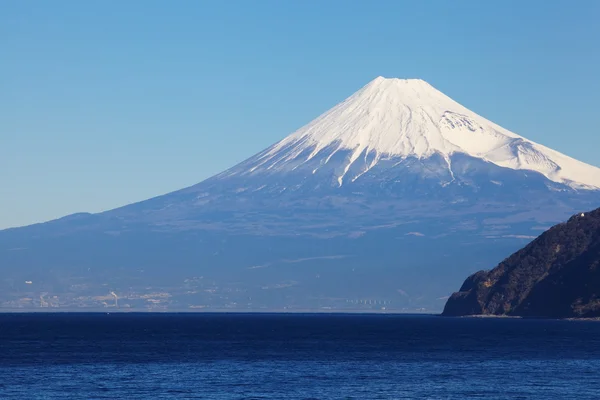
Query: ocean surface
[295, 356]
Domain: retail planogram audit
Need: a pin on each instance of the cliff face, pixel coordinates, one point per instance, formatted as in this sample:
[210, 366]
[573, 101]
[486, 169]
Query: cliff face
[557, 275]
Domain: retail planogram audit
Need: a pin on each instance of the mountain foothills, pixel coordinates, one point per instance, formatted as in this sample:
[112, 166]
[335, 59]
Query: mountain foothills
[557, 275]
[386, 201]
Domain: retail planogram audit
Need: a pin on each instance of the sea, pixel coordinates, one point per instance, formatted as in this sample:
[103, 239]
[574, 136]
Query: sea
[295, 356]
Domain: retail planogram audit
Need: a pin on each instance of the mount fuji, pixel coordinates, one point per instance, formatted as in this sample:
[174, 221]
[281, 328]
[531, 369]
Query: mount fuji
[386, 201]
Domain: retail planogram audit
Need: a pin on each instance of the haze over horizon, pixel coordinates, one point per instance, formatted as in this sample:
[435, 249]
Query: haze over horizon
[95, 118]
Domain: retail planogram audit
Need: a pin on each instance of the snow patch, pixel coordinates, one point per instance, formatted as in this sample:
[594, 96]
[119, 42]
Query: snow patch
[415, 234]
[520, 236]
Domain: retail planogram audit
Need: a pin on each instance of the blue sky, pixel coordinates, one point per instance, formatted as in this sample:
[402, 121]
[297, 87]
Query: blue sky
[107, 103]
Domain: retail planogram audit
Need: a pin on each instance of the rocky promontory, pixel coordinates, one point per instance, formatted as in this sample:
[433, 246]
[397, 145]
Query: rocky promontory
[556, 276]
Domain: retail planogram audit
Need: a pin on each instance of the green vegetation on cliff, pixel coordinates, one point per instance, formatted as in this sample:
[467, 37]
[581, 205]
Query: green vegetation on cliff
[557, 275]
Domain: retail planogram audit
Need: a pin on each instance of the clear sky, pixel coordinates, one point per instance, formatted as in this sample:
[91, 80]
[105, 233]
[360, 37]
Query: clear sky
[104, 103]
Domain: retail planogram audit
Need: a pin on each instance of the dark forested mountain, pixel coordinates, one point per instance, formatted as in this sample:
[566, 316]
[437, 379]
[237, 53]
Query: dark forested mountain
[557, 275]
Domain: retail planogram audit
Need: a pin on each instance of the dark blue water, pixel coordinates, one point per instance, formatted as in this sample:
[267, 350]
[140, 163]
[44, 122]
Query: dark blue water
[277, 356]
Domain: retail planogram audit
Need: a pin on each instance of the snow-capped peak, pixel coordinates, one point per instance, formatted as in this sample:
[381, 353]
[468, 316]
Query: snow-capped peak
[410, 118]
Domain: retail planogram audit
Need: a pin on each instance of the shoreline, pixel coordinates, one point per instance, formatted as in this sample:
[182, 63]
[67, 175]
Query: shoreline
[523, 317]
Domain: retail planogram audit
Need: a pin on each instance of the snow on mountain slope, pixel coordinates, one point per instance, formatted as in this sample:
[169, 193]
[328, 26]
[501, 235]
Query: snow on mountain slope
[400, 118]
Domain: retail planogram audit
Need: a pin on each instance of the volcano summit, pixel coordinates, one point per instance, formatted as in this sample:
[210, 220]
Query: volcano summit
[394, 119]
[385, 201]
